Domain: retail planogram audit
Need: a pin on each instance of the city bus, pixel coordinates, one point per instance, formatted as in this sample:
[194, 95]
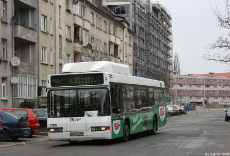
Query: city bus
[101, 100]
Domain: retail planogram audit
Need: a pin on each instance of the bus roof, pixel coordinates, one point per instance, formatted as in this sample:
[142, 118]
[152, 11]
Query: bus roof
[97, 66]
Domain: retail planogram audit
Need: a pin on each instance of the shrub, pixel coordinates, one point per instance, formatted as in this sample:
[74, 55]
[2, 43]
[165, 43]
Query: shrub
[26, 103]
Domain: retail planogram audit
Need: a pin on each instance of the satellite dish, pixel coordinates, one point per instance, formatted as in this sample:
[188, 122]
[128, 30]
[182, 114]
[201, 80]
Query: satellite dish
[15, 61]
[14, 20]
[14, 80]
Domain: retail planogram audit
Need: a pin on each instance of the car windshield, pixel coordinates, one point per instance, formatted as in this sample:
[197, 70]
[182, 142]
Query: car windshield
[14, 115]
[78, 103]
[40, 113]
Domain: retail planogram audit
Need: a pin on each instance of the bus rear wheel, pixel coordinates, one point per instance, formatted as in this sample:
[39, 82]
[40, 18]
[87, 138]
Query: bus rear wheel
[154, 130]
[126, 131]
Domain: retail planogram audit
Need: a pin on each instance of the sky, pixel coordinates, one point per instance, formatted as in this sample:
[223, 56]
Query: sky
[194, 27]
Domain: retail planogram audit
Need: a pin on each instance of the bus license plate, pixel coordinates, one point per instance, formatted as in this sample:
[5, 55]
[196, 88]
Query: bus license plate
[76, 133]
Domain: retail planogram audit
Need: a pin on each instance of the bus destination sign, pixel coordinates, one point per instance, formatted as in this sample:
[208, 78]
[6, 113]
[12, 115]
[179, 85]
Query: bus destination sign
[79, 79]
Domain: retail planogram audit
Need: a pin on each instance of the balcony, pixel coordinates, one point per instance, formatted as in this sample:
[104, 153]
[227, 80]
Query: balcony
[25, 34]
[77, 20]
[31, 3]
[112, 38]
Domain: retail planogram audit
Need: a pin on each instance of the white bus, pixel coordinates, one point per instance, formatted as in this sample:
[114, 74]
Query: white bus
[101, 100]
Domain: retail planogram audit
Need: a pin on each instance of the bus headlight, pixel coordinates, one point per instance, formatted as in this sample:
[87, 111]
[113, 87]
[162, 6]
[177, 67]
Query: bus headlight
[55, 130]
[100, 128]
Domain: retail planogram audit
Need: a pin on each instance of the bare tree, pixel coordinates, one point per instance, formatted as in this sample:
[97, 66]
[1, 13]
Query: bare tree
[176, 64]
[221, 46]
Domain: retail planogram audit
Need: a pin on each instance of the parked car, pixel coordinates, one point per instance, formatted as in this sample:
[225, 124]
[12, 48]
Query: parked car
[180, 108]
[42, 116]
[1, 129]
[26, 112]
[14, 126]
[172, 110]
[42, 106]
[227, 114]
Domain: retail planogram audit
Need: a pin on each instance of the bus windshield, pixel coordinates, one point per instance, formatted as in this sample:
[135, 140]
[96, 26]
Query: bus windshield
[78, 103]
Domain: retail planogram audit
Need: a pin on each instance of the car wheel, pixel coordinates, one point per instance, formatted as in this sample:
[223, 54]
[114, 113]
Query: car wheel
[14, 138]
[126, 131]
[154, 130]
[226, 119]
[5, 135]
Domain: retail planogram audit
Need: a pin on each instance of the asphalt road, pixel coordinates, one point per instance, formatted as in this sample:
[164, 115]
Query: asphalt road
[205, 134]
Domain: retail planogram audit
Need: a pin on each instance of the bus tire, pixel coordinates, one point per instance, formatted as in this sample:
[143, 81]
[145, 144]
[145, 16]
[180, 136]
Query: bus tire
[126, 131]
[154, 130]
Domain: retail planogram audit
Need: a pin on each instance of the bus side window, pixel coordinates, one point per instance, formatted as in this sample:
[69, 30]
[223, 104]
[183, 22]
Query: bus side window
[115, 98]
[151, 96]
[124, 99]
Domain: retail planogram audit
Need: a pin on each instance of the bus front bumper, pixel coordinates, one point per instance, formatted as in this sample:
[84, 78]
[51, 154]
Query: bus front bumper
[71, 136]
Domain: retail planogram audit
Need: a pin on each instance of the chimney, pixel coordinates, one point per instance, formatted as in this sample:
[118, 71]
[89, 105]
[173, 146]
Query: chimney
[210, 74]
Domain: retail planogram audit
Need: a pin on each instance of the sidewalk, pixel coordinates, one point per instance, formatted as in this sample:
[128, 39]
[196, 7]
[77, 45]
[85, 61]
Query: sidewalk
[23, 141]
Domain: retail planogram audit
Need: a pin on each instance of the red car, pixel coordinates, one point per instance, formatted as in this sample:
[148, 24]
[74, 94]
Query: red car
[26, 112]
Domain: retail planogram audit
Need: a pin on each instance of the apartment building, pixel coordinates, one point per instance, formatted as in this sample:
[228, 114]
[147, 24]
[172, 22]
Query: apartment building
[18, 53]
[43, 35]
[152, 42]
[194, 88]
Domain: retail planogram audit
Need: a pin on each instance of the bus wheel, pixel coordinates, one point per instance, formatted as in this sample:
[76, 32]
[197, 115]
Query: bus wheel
[126, 131]
[154, 130]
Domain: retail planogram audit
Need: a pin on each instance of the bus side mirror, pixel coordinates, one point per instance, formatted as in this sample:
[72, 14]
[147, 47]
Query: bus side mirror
[39, 90]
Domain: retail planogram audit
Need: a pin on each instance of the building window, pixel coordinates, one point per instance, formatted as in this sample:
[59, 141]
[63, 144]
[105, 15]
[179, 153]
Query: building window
[100, 46]
[68, 58]
[92, 42]
[105, 48]
[130, 42]
[115, 50]
[60, 46]
[16, 51]
[96, 21]
[43, 23]
[68, 32]
[60, 17]
[26, 87]
[121, 34]
[44, 55]
[76, 34]
[32, 83]
[51, 56]
[76, 7]
[60, 68]
[3, 11]
[4, 88]
[98, 42]
[116, 31]
[104, 26]
[44, 83]
[51, 26]
[92, 18]
[85, 37]
[4, 51]
[130, 59]
[67, 5]
[110, 27]
[120, 54]
[84, 12]
[111, 48]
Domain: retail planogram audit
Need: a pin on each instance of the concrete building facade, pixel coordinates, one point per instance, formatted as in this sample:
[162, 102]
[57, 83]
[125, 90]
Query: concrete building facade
[43, 35]
[194, 88]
